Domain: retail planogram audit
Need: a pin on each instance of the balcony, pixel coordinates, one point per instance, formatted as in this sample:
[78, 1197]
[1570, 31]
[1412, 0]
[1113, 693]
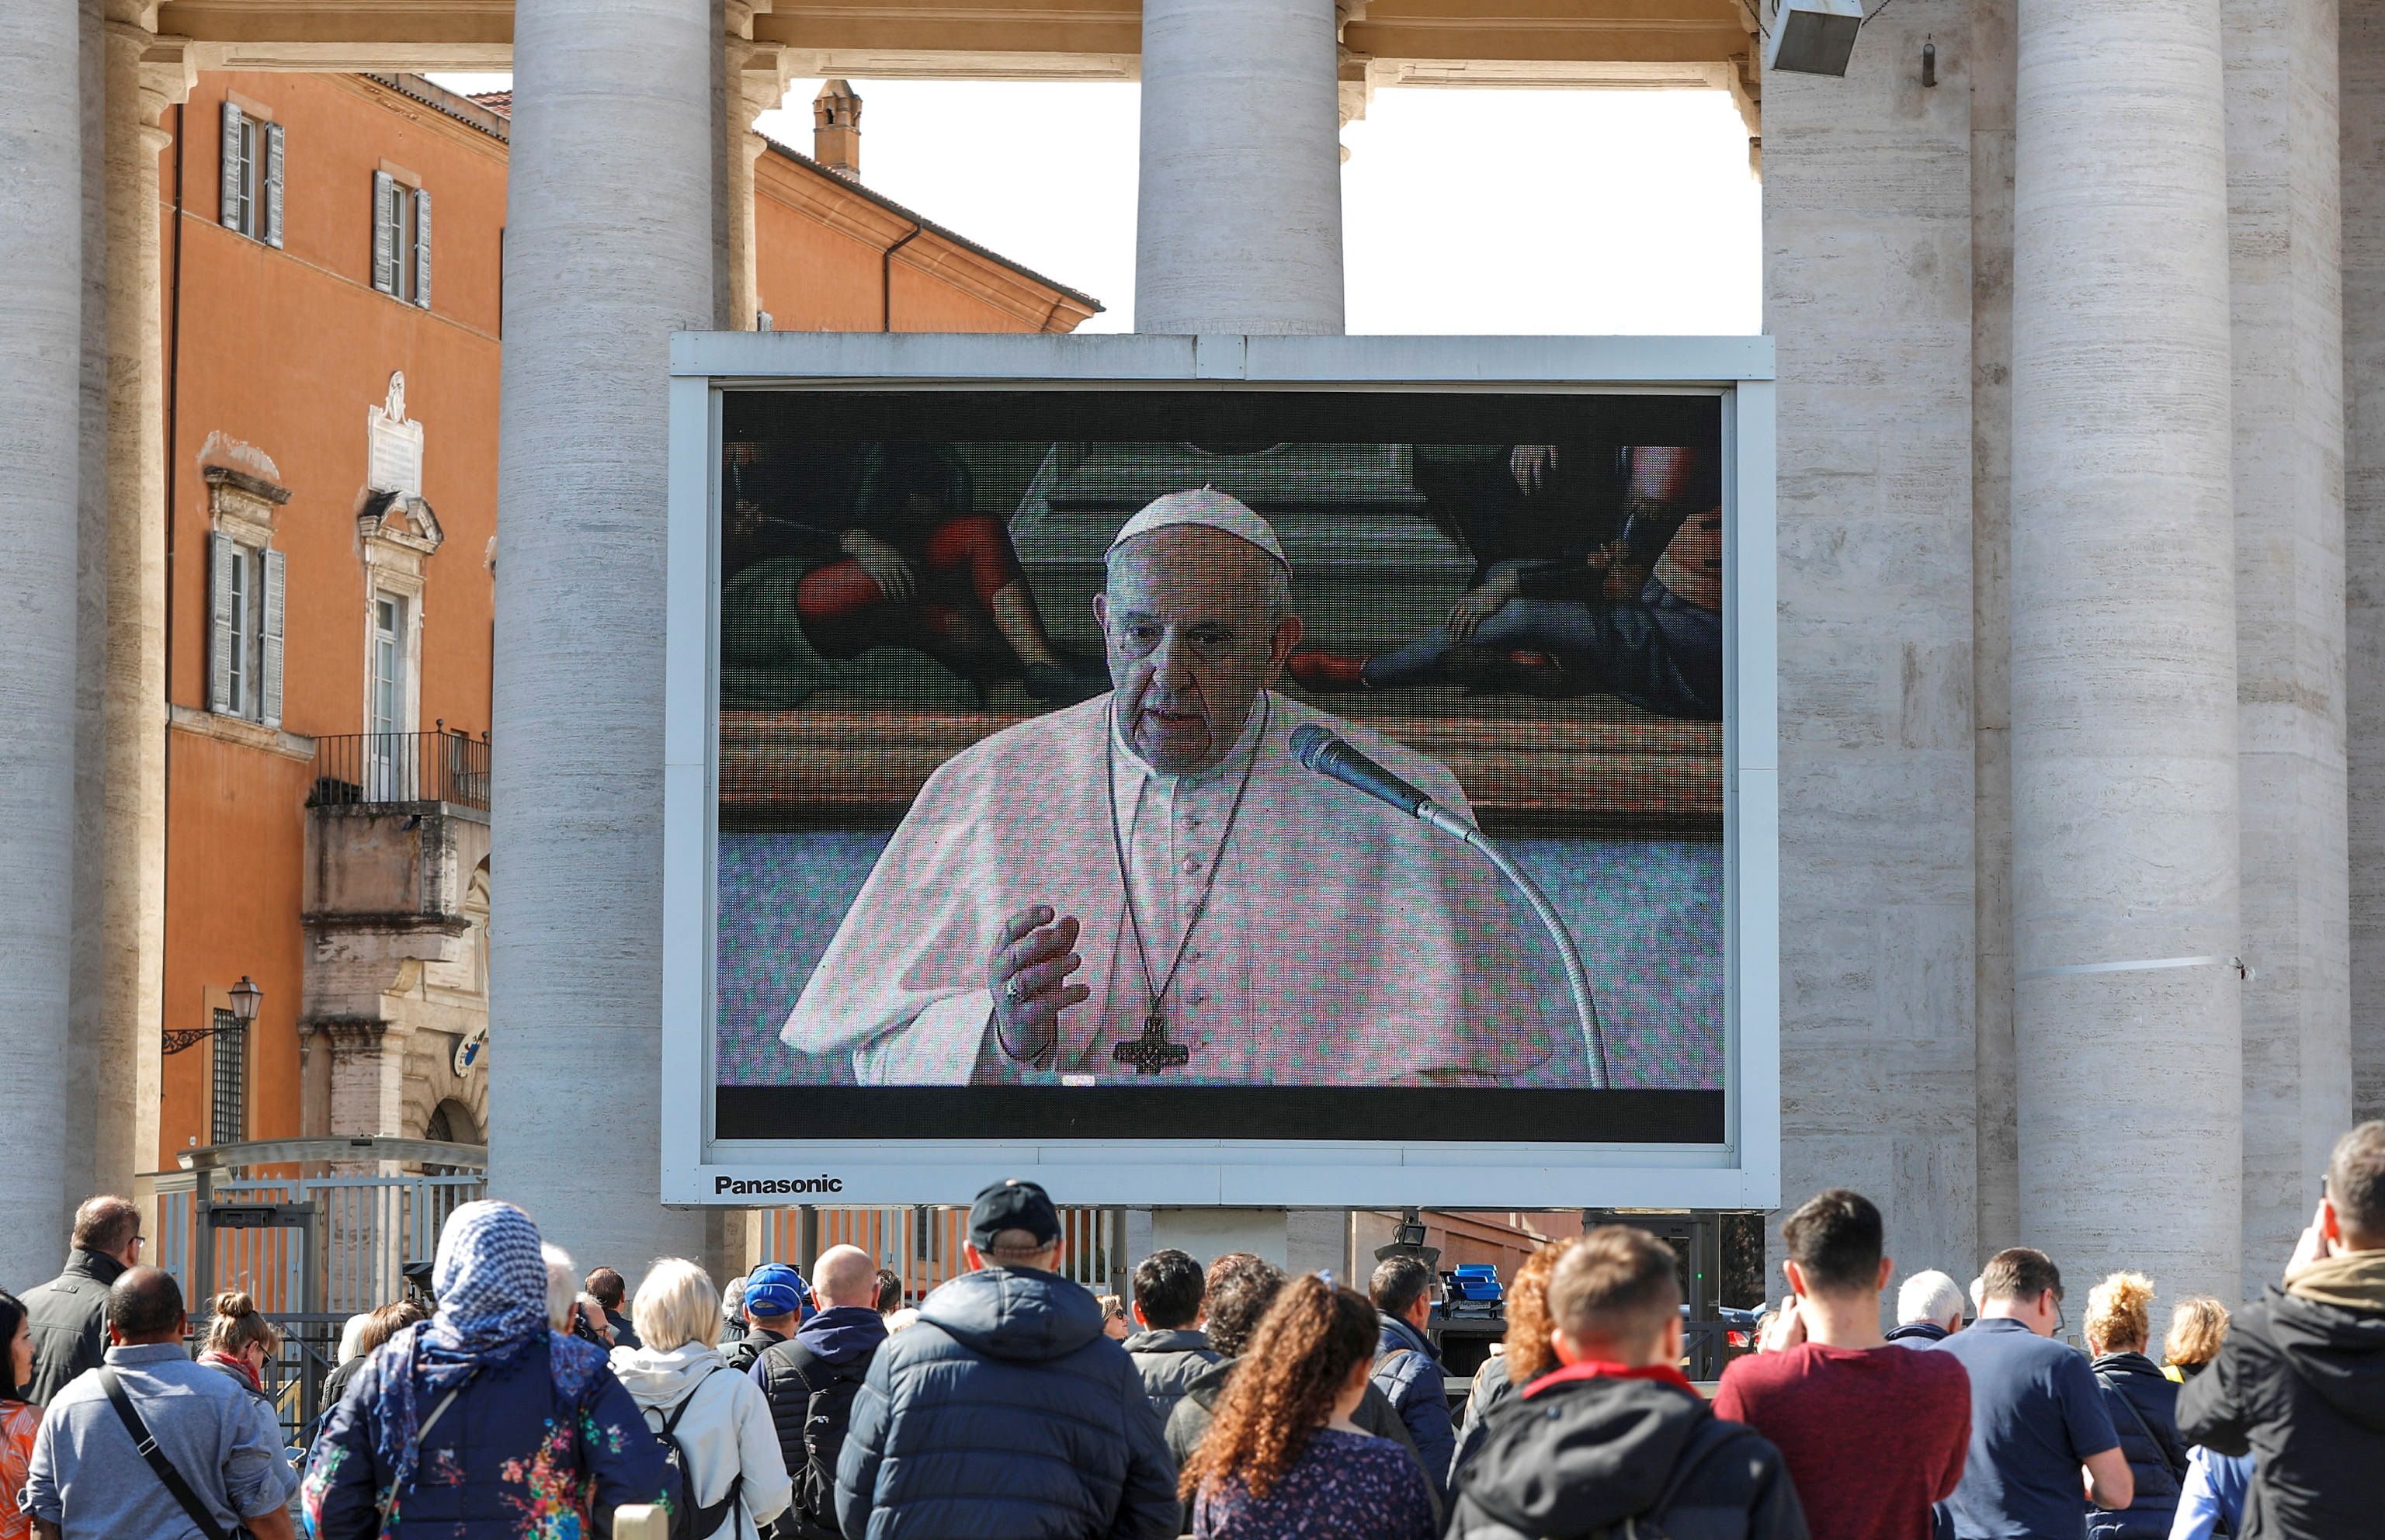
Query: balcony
[385, 770]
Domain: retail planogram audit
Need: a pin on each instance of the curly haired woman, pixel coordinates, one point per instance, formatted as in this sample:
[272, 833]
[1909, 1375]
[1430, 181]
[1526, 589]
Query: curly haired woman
[1524, 1353]
[1284, 1459]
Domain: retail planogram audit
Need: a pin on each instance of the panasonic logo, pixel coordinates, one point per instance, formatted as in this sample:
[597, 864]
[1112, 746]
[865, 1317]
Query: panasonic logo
[774, 1186]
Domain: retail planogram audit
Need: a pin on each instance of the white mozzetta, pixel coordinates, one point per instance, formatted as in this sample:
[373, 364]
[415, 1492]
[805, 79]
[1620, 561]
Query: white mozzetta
[2123, 615]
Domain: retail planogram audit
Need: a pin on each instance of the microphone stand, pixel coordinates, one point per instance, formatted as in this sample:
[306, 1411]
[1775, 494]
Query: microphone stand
[1577, 979]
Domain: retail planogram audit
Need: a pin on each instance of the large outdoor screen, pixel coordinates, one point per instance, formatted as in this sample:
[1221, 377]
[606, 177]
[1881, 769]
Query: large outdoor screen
[1027, 705]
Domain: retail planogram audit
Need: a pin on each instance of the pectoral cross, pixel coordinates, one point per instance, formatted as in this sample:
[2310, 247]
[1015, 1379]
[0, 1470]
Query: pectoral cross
[1151, 1053]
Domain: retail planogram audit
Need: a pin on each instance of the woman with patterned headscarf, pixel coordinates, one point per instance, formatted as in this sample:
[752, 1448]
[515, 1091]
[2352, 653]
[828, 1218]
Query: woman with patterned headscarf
[482, 1422]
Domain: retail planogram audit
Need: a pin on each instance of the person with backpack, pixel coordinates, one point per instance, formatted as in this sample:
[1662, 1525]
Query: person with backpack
[1407, 1366]
[809, 1382]
[1616, 1442]
[482, 1422]
[714, 1425]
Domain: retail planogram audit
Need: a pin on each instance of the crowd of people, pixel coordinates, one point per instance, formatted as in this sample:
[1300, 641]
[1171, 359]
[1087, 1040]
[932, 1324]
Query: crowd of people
[1231, 1402]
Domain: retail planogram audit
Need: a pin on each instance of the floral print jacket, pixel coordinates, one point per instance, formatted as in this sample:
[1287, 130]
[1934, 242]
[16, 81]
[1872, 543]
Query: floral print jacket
[541, 1449]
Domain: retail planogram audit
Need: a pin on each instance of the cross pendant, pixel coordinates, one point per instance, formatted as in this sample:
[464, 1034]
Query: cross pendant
[1151, 1053]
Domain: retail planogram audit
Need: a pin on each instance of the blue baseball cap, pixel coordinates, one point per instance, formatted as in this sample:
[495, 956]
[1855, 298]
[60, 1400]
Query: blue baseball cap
[774, 1289]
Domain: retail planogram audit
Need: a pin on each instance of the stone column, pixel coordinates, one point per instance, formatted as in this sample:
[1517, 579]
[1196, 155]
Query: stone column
[2130, 1131]
[608, 250]
[145, 76]
[2285, 214]
[2362, 55]
[1238, 225]
[755, 81]
[41, 362]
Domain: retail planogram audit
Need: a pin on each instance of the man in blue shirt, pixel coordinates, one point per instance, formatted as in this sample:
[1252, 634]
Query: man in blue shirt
[2037, 1416]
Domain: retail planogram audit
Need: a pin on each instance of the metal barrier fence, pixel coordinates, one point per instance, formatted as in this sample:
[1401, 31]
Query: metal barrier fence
[922, 1245]
[371, 1227]
[436, 766]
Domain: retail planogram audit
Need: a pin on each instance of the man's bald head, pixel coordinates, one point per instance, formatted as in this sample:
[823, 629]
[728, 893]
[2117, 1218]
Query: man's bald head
[1197, 624]
[144, 1304]
[845, 1275]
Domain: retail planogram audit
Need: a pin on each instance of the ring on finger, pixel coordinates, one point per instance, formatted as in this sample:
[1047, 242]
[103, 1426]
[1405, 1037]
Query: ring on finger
[1011, 990]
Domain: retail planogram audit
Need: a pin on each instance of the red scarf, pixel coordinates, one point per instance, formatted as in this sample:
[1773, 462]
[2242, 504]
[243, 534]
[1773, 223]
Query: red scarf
[1595, 1368]
[237, 1365]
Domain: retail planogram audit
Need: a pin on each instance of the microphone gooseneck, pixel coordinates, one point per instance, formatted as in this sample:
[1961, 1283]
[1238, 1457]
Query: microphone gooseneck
[1330, 754]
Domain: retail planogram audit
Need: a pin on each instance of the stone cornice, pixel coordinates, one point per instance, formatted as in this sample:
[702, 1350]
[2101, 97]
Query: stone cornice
[240, 730]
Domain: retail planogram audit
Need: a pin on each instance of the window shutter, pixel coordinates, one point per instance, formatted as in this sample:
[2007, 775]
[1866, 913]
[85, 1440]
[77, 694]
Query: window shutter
[273, 184]
[384, 233]
[234, 178]
[269, 669]
[422, 247]
[219, 636]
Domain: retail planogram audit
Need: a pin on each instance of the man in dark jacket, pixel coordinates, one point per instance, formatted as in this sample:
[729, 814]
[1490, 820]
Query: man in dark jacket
[775, 1298]
[1169, 1352]
[1240, 1288]
[611, 1293]
[1616, 1434]
[1407, 1366]
[2300, 1383]
[1003, 1411]
[69, 1315]
[812, 1379]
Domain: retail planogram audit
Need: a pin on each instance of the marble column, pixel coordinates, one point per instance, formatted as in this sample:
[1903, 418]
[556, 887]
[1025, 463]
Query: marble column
[755, 81]
[1237, 222]
[144, 77]
[2286, 220]
[40, 413]
[2123, 612]
[608, 250]
[2362, 49]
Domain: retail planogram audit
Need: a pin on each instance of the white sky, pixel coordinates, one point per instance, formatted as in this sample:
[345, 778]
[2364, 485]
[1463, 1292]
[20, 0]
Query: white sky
[1470, 210]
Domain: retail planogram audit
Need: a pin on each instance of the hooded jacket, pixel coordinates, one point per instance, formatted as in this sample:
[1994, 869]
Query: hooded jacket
[830, 1355]
[2300, 1385]
[2143, 1404]
[69, 1320]
[1003, 1412]
[1169, 1359]
[725, 1430]
[1585, 1447]
[1189, 1423]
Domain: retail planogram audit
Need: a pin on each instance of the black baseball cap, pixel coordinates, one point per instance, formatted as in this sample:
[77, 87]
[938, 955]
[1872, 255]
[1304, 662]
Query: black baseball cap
[1011, 1204]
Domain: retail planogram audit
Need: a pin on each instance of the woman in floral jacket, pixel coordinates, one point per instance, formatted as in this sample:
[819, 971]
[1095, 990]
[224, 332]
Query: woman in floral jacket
[481, 1424]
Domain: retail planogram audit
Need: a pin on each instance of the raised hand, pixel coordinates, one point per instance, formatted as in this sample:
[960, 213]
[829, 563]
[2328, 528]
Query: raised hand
[1027, 971]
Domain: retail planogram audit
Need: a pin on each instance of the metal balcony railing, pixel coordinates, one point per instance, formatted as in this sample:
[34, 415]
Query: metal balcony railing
[367, 769]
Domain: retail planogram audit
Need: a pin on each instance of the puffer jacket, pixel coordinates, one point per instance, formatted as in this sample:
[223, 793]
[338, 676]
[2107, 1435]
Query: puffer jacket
[1407, 1370]
[1169, 1359]
[828, 1356]
[1189, 1423]
[2143, 1404]
[725, 1431]
[511, 1455]
[1004, 1412]
[1582, 1450]
[69, 1320]
[2300, 1386]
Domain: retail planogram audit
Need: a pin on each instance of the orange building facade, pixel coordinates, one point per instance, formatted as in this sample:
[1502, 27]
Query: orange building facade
[333, 248]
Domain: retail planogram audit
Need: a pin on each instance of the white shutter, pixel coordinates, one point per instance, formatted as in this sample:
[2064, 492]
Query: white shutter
[273, 184]
[422, 247]
[219, 636]
[234, 171]
[269, 654]
[385, 234]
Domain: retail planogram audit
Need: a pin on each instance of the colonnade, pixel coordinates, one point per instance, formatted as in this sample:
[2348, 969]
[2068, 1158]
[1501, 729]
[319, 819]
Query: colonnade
[623, 225]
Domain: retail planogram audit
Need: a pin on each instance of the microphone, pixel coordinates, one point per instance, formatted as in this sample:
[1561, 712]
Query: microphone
[1330, 754]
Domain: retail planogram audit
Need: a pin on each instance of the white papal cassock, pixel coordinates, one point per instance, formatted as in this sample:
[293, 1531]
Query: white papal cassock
[1345, 943]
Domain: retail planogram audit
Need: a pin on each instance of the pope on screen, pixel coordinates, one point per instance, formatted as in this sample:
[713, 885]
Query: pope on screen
[1148, 887]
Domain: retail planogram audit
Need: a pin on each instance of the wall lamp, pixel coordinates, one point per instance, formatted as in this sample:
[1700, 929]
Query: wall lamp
[245, 999]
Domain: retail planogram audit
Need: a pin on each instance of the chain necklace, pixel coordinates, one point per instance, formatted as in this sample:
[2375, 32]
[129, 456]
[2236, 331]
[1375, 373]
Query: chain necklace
[1152, 1051]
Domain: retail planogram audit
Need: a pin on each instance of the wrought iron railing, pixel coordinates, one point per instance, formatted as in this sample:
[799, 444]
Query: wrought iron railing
[365, 769]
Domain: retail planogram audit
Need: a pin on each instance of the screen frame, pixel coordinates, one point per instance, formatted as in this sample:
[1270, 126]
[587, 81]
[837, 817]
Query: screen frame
[1740, 1172]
